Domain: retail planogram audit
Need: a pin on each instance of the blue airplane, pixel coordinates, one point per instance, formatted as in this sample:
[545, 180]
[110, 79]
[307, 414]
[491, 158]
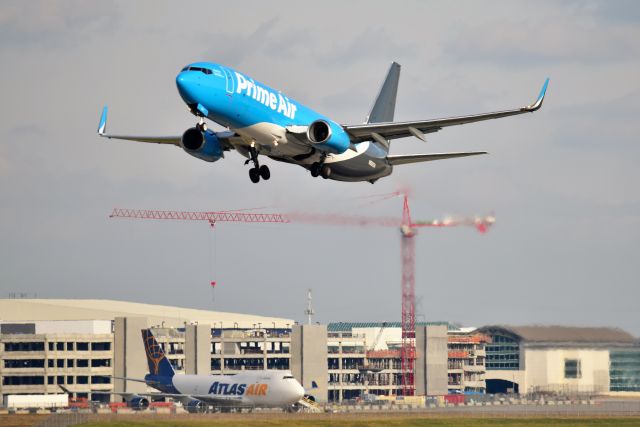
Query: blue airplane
[263, 121]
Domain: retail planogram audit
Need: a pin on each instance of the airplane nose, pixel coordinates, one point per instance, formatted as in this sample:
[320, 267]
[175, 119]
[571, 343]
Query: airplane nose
[186, 87]
[299, 392]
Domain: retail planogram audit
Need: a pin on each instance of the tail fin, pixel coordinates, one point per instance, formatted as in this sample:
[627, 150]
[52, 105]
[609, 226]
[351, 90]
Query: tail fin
[158, 363]
[385, 103]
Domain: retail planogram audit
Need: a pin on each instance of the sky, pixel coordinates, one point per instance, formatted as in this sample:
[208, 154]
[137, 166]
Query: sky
[563, 182]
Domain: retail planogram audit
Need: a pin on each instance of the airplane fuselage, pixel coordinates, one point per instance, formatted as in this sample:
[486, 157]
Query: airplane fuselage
[249, 389]
[270, 121]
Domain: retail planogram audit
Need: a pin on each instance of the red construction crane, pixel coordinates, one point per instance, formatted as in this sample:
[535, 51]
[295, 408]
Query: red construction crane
[408, 230]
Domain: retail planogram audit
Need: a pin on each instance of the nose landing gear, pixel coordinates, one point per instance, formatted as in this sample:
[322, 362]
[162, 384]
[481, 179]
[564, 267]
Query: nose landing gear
[201, 126]
[257, 172]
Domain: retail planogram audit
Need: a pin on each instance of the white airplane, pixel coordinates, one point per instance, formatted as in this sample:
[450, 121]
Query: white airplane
[250, 389]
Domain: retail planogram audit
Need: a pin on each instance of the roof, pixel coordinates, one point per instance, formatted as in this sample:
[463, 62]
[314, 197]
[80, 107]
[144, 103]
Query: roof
[559, 334]
[348, 326]
[100, 309]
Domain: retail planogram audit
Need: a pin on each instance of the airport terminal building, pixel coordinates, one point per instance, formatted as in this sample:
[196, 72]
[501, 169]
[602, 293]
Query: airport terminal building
[83, 344]
[561, 359]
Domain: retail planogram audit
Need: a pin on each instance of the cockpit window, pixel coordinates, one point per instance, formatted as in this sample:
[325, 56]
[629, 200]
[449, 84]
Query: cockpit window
[202, 70]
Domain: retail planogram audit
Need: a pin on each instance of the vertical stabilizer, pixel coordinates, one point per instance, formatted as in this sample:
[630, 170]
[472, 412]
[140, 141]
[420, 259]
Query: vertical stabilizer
[385, 103]
[158, 363]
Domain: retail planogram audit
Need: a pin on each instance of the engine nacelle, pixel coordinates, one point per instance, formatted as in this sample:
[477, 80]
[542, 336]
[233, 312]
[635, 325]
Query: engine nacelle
[203, 145]
[328, 136]
[138, 402]
[194, 406]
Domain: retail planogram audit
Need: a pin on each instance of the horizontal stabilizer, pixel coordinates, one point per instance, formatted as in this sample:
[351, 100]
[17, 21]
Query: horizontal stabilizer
[404, 159]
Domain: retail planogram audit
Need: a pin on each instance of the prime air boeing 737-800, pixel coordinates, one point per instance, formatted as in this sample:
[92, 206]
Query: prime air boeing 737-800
[246, 389]
[263, 121]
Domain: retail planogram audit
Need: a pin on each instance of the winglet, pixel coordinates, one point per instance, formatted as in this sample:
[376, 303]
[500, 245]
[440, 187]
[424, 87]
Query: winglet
[536, 105]
[103, 122]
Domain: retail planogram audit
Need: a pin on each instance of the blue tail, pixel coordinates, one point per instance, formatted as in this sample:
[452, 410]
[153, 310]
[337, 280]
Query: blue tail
[159, 366]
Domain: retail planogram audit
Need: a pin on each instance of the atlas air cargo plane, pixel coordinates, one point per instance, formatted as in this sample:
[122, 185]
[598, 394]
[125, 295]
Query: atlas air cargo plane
[267, 388]
[262, 121]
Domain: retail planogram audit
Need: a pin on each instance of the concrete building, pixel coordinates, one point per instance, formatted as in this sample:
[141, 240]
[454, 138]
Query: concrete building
[88, 309]
[309, 359]
[364, 358]
[466, 361]
[37, 357]
[82, 344]
[560, 359]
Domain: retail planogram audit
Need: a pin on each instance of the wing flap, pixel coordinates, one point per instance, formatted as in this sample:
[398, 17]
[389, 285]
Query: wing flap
[404, 159]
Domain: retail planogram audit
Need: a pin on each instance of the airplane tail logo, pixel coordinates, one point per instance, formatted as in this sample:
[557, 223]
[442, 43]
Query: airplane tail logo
[158, 363]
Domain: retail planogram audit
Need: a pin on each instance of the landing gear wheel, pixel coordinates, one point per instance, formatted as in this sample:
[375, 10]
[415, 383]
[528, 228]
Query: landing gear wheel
[201, 126]
[315, 169]
[264, 172]
[254, 175]
[325, 171]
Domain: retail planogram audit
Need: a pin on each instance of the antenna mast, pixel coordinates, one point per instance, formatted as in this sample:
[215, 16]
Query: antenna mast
[309, 311]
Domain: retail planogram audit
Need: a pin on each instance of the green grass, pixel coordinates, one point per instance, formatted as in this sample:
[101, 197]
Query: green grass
[364, 421]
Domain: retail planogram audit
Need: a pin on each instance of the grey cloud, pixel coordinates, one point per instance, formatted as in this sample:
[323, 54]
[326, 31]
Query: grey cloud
[619, 11]
[372, 43]
[561, 181]
[54, 24]
[564, 36]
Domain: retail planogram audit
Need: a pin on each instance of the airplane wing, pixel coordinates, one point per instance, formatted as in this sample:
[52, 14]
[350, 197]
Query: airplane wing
[226, 138]
[236, 402]
[393, 130]
[139, 380]
[415, 158]
[180, 396]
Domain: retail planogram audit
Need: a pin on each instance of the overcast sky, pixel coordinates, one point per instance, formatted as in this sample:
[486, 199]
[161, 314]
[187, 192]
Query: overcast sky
[563, 182]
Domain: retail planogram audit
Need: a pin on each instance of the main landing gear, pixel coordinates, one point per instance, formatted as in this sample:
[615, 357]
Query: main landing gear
[257, 172]
[320, 169]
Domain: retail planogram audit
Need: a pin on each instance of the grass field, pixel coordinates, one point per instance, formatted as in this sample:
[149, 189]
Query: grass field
[364, 421]
[325, 420]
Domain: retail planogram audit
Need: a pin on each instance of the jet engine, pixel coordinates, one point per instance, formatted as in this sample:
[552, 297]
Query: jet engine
[328, 136]
[194, 406]
[138, 402]
[203, 145]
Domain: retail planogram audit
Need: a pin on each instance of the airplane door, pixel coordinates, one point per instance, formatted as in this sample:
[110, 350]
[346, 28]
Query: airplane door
[231, 85]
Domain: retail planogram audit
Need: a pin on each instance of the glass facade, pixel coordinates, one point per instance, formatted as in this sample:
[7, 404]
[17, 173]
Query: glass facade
[624, 370]
[503, 353]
